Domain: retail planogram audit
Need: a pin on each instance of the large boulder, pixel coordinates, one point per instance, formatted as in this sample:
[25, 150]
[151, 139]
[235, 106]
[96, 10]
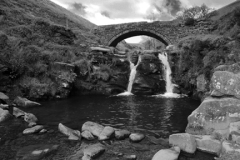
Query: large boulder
[185, 141]
[167, 154]
[4, 115]
[72, 134]
[214, 115]
[94, 128]
[87, 135]
[121, 134]
[225, 83]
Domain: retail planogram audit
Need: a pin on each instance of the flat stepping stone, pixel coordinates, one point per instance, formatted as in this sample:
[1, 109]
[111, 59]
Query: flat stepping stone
[136, 137]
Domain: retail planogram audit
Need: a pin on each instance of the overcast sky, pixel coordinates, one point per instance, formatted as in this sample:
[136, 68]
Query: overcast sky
[103, 12]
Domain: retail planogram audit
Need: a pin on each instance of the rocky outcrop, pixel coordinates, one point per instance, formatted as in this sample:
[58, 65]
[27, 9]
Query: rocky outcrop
[217, 119]
[150, 76]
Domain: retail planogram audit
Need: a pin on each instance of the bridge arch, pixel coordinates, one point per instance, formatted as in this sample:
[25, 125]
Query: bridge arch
[137, 32]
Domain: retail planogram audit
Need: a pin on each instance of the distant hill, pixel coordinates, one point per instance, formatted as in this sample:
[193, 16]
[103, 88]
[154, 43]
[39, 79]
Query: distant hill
[225, 10]
[21, 12]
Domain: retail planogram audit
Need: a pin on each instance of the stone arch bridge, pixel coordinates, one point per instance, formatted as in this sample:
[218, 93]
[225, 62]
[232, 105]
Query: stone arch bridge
[168, 32]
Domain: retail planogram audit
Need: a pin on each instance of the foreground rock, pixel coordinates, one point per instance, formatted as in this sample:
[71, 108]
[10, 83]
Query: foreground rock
[136, 137]
[35, 152]
[24, 102]
[228, 147]
[32, 130]
[72, 134]
[208, 144]
[214, 115]
[94, 128]
[93, 151]
[106, 133]
[185, 141]
[122, 134]
[167, 154]
[4, 115]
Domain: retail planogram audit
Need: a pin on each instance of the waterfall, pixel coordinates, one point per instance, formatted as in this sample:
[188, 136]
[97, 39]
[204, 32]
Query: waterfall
[132, 76]
[169, 85]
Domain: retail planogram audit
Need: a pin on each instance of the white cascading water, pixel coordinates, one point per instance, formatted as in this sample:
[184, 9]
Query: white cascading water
[132, 76]
[169, 85]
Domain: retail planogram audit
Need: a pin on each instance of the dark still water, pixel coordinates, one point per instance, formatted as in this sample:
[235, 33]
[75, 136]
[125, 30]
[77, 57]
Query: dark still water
[152, 116]
[159, 116]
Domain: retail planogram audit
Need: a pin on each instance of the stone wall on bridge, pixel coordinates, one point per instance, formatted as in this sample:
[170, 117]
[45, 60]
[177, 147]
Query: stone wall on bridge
[168, 32]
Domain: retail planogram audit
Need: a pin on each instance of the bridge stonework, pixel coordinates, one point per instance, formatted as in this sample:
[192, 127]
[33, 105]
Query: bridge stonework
[168, 32]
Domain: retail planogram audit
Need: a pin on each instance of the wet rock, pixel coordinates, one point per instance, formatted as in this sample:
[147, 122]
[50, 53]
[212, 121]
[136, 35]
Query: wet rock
[106, 133]
[87, 135]
[72, 134]
[122, 134]
[32, 130]
[35, 152]
[214, 115]
[4, 115]
[208, 144]
[24, 102]
[18, 112]
[185, 141]
[136, 137]
[93, 151]
[92, 127]
[226, 83]
[167, 154]
[30, 118]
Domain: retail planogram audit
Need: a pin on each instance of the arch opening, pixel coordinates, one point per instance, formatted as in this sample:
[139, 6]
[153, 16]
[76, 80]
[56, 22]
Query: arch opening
[127, 34]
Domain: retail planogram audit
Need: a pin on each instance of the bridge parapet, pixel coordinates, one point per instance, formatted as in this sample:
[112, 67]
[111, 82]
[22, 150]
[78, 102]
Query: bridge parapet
[168, 32]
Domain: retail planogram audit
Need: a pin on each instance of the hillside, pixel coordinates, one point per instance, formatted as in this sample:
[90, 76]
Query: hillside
[24, 11]
[37, 47]
[225, 10]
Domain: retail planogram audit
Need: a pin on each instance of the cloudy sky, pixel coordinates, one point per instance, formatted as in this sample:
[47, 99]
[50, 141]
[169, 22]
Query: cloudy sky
[103, 12]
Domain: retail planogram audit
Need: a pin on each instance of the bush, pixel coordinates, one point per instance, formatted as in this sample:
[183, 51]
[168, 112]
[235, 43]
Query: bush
[189, 22]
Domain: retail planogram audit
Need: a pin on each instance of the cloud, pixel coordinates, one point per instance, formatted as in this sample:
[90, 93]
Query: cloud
[120, 11]
[78, 8]
[106, 14]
